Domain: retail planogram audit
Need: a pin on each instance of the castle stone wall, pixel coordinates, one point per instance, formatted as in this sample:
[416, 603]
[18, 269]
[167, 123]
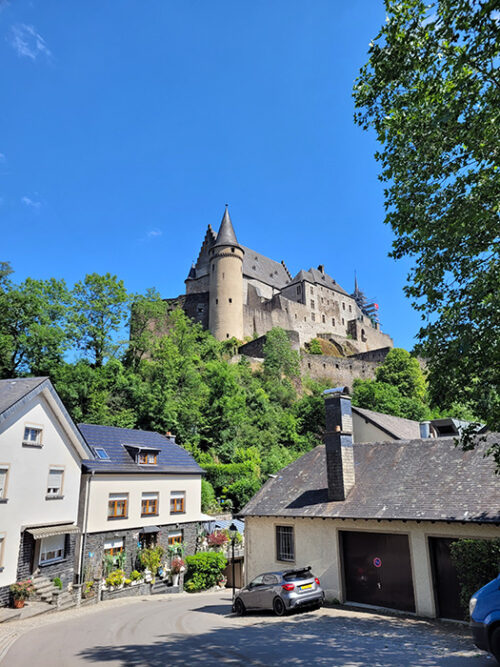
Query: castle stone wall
[337, 371]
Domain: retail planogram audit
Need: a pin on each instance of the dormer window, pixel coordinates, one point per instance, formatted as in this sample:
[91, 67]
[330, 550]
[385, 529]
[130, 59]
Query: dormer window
[101, 453]
[147, 458]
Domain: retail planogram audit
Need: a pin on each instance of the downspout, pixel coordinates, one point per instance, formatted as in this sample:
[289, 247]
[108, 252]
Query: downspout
[86, 521]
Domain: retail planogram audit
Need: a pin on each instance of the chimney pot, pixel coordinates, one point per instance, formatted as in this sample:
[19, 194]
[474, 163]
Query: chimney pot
[425, 429]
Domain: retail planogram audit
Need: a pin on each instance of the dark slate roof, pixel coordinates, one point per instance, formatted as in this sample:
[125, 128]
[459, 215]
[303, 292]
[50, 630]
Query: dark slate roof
[398, 427]
[264, 269]
[317, 277]
[12, 391]
[171, 457]
[226, 235]
[428, 480]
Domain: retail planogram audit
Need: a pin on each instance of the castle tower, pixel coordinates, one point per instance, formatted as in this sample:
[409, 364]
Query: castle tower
[226, 283]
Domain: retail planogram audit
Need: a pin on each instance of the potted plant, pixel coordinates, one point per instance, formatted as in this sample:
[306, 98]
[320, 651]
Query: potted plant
[21, 591]
[135, 576]
[177, 566]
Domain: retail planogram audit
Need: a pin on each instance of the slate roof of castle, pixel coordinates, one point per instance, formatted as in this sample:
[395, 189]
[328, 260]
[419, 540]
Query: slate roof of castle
[429, 480]
[12, 391]
[398, 427]
[120, 445]
[226, 235]
[315, 276]
[264, 269]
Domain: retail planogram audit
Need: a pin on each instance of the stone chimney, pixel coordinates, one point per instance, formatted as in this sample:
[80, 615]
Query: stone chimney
[338, 443]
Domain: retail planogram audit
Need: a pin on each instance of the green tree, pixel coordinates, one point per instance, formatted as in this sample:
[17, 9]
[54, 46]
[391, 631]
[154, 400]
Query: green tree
[100, 309]
[403, 371]
[279, 358]
[386, 398]
[431, 91]
[33, 326]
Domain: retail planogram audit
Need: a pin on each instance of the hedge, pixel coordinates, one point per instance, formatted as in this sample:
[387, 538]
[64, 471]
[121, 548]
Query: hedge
[204, 570]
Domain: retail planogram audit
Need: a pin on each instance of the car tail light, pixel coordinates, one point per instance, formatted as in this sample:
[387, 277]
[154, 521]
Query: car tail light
[288, 587]
[316, 580]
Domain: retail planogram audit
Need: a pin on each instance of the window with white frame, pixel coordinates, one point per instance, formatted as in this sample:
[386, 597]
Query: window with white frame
[118, 506]
[4, 471]
[2, 545]
[55, 481]
[32, 436]
[285, 543]
[52, 548]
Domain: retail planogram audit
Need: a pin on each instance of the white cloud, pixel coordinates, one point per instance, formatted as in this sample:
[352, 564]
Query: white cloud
[27, 42]
[31, 203]
[153, 233]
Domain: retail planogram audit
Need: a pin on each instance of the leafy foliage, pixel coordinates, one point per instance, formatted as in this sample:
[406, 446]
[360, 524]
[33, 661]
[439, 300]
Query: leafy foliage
[431, 92]
[314, 347]
[477, 562]
[204, 570]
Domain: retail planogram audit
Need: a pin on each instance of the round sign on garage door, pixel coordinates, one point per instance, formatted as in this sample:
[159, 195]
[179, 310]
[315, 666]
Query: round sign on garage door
[377, 562]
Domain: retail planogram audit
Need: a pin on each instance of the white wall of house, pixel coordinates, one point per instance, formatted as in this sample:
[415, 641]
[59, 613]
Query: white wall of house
[102, 485]
[27, 480]
[364, 431]
[317, 544]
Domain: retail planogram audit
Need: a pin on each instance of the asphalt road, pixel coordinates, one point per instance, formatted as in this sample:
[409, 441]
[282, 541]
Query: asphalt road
[200, 630]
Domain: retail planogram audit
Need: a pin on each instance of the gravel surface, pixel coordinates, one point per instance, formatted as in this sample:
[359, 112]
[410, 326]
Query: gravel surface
[200, 629]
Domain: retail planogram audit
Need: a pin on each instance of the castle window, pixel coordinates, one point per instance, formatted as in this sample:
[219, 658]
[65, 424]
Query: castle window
[312, 303]
[213, 267]
[350, 308]
[254, 267]
[333, 321]
[343, 321]
[343, 305]
[200, 308]
[227, 335]
[298, 289]
[295, 315]
[313, 317]
[230, 300]
[305, 319]
[223, 276]
[312, 291]
[324, 365]
[323, 318]
[308, 365]
[337, 366]
[232, 249]
[216, 301]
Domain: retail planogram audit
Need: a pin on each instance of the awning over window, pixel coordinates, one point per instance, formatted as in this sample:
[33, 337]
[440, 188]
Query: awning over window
[150, 529]
[49, 531]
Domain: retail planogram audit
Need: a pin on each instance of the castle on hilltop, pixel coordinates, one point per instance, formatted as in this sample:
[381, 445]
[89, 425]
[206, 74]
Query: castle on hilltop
[237, 292]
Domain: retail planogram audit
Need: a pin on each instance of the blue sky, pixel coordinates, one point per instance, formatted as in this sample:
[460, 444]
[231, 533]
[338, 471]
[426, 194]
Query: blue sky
[125, 126]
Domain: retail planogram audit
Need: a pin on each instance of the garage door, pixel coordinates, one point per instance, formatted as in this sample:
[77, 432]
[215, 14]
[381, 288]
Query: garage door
[377, 569]
[446, 586]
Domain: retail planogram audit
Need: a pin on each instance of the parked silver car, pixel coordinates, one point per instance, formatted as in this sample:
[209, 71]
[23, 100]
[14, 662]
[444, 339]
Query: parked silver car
[280, 591]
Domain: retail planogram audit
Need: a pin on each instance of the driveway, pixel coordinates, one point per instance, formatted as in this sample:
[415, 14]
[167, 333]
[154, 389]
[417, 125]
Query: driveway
[200, 630]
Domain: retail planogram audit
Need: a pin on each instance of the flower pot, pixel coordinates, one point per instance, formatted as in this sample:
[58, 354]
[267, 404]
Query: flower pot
[18, 603]
[175, 579]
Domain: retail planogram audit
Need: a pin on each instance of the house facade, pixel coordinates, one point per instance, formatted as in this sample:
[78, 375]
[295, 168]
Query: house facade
[41, 452]
[375, 520]
[140, 489]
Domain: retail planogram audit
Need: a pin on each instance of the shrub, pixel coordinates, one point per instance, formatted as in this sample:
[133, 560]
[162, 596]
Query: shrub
[151, 558]
[128, 582]
[135, 575]
[314, 347]
[115, 578]
[477, 562]
[217, 539]
[58, 583]
[243, 490]
[208, 499]
[204, 570]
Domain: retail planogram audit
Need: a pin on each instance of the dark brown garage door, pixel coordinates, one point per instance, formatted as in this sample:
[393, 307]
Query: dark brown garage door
[377, 569]
[446, 586]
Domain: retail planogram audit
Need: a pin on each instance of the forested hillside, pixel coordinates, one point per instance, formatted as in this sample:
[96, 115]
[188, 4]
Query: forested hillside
[178, 378]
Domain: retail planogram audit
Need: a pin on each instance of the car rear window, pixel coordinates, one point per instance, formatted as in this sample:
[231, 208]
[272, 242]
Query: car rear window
[298, 576]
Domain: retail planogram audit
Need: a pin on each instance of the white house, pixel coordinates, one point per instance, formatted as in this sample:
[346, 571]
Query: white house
[375, 520]
[139, 489]
[41, 451]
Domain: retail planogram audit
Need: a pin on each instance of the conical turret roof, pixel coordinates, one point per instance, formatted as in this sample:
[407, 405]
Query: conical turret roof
[226, 235]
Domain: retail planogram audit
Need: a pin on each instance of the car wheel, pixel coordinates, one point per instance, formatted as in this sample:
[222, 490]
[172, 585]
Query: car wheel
[239, 607]
[279, 607]
[495, 643]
